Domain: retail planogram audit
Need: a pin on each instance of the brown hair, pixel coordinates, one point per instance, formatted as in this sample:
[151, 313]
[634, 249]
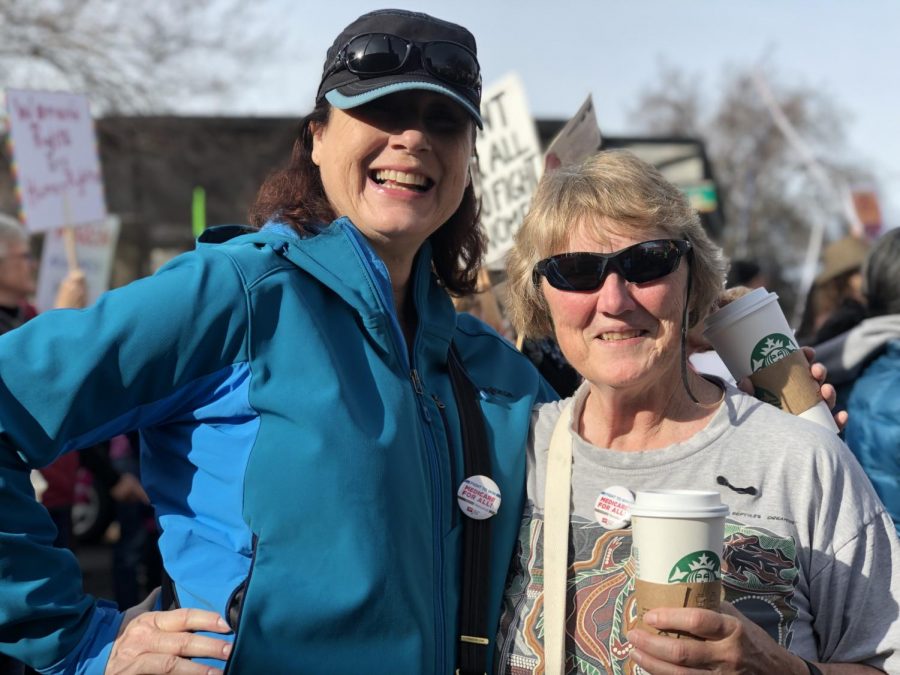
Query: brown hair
[295, 196]
[881, 283]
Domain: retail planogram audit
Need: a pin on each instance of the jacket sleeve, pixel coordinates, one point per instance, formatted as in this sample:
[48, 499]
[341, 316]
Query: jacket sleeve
[873, 432]
[70, 378]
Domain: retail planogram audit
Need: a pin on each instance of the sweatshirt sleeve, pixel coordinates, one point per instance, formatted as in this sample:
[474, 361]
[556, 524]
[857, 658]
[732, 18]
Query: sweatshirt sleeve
[854, 585]
[70, 378]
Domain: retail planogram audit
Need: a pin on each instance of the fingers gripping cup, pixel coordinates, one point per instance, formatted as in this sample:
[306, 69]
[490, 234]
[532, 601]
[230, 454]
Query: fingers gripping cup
[754, 340]
[677, 539]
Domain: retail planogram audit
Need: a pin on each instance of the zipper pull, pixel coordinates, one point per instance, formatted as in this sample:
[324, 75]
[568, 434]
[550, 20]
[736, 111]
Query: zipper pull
[420, 390]
[438, 402]
[416, 382]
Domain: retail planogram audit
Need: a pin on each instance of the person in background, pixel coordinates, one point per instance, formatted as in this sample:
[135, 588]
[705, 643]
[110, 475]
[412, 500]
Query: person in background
[864, 366]
[17, 275]
[137, 568]
[835, 301]
[300, 437]
[612, 260]
[747, 273]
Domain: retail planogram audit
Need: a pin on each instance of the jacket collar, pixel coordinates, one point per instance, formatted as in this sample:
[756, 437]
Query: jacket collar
[339, 257]
[846, 354]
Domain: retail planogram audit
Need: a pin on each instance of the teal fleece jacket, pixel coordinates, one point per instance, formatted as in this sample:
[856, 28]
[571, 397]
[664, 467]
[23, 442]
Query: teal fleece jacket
[302, 462]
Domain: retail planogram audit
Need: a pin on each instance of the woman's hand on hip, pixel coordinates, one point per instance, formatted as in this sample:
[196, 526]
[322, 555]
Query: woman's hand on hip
[151, 643]
[730, 643]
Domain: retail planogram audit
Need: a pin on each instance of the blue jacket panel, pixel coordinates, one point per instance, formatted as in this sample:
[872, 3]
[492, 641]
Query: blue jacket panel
[873, 431]
[302, 462]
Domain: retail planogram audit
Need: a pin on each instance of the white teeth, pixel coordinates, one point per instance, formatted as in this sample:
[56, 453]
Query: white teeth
[401, 177]
[613, 337]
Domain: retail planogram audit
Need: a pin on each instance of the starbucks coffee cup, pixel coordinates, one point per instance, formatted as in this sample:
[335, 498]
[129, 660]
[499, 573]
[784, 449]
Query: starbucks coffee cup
[677, 539]
[753, 338]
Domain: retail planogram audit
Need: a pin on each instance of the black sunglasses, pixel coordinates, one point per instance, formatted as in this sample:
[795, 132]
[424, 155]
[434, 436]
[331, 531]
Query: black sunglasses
[374, 54]
[640, 263]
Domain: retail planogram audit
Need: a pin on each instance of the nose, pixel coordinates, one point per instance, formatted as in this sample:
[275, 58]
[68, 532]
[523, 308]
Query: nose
[409, 132]
[411, 138]
[614, 295]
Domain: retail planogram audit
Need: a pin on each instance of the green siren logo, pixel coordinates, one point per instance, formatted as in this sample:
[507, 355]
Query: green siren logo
[770, 349]
[696, 567]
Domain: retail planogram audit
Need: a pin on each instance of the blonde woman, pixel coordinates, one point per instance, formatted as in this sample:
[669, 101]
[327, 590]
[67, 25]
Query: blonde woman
[612, 262]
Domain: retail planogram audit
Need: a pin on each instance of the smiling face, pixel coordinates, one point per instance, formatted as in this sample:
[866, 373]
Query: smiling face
[397, 167]
[623, 336]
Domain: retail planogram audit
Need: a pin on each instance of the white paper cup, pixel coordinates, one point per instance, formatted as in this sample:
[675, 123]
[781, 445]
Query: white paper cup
[753, 338]
[820, 413]
[677, 540]
[739, 331]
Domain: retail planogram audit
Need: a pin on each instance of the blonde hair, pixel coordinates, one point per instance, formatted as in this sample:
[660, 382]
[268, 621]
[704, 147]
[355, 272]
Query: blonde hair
[613, 192]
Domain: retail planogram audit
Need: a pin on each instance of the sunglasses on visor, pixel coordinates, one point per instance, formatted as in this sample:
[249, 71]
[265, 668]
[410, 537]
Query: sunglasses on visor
[640, 263]
[374, 54]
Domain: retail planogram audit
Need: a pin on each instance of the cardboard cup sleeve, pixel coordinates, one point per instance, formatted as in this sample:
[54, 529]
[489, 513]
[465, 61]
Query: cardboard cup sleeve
[787, 384]
[649, 595]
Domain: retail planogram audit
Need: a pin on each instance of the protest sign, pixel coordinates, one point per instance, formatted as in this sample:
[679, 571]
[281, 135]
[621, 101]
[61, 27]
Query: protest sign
[55, 162]
[95, 245]
[577, 140]
[865, 202]
[510, 163]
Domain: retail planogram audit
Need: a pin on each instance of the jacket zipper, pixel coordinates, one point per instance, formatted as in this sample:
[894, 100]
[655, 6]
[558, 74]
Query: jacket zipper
[407, 359]
[437, 539]
[455, 514]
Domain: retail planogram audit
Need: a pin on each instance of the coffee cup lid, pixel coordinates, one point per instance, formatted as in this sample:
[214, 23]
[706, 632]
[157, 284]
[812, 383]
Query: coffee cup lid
[739, 308]
[678, 504]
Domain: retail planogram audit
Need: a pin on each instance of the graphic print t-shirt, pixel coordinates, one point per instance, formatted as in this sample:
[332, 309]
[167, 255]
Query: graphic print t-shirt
[798, 555]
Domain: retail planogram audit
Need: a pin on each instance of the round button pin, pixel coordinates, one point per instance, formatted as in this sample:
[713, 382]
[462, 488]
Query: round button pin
[478, 497]
[613, 507]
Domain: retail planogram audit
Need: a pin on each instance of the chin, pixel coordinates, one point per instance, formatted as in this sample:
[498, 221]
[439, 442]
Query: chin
[626, 376]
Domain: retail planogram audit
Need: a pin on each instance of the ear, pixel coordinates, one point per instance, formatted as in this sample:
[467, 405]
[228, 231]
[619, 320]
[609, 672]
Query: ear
[316, 130]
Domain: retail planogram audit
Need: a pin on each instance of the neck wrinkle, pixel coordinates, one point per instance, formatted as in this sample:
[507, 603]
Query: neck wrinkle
[649, 420]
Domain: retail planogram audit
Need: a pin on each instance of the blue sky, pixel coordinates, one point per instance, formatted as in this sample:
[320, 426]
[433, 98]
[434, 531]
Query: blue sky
[565, 49]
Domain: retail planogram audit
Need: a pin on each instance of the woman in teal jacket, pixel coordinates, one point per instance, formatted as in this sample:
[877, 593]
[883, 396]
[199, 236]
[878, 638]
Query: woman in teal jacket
[301, 441]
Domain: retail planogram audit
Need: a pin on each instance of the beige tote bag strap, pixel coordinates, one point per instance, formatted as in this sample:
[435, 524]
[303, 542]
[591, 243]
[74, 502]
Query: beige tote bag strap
[557, 499]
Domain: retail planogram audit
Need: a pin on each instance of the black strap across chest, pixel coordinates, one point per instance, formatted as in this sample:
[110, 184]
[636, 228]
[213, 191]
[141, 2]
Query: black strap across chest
[476, 560]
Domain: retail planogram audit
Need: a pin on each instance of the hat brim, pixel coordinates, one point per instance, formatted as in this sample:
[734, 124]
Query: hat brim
[346, 100]
[836, 271]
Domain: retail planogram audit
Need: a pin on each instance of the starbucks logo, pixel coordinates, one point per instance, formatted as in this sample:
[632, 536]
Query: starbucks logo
[699, 566]
[770, 349]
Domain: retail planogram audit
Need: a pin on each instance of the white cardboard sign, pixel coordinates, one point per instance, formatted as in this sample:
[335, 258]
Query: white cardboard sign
[56, 165]
[95, 245]
[510, 163]
[577, 140]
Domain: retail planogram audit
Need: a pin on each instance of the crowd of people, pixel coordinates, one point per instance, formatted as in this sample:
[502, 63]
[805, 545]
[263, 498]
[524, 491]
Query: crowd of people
[348, 474]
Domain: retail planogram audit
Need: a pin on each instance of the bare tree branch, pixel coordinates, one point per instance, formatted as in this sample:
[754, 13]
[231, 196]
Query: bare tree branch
[127, 55]
[772, 200]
